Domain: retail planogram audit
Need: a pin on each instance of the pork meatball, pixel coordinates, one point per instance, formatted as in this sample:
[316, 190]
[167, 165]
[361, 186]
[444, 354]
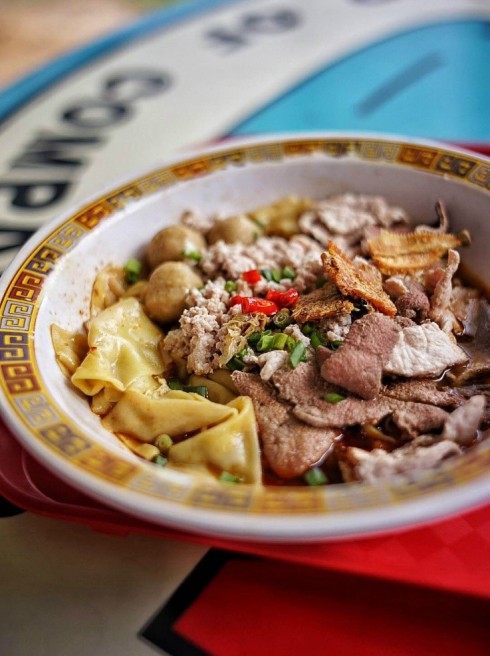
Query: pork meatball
[172, 243]
[168, 287]
[234, 229]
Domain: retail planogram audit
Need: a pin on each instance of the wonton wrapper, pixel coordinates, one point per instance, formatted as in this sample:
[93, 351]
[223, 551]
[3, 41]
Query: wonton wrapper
[175, 413]
[123, 345]
[231, 446]
[70, 349]
[281, 218]
[216, 392]
[109, 286]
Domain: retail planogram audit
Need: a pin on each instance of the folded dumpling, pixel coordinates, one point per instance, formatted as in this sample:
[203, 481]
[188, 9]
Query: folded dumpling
[231, 446]
[123, 346]
[146, 416]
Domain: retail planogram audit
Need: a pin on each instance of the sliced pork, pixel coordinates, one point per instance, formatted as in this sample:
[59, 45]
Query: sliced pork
[358, 364]
[290, 446]
[371, 466]
[462, 424]
[423, 351]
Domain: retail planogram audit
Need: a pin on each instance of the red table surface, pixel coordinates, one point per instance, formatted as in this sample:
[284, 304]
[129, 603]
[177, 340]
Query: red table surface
[256, 607]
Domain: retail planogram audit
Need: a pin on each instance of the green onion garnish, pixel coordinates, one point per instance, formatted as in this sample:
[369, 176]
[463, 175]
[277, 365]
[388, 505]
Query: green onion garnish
[132, 270]
[202, 390]
[287, 272]
[163, 442]
[226, 477]
[315, 476]
[320, 282]
[335, 345]
[282, 318]
[254, 339]
[175, 384]
[235, 364]
[230, 286]
[307, 328]
[316, 339]
[276, 275]
[333, 397]
[160, 460]
[297, 354]
[279, 341]
[191, 254]
[265, 343]
[272, 275]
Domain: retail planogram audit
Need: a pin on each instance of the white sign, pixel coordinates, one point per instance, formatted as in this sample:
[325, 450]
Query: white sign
[179, 87]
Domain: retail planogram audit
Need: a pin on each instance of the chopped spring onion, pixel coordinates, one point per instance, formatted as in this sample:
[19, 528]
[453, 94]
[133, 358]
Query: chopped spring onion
[265, 343]
[272, 275]
[202, 390]
[230, 286]
[175, 384]
[226, 477]
[307, 328]
[297, 354]
[191, 254]
[160, 460]
[317, 339]
[315, 476]
[279, 341]
[287, 272]
[333, 397]
[335, 344]
[282, 318]
[132, 270]
[163, 442]
[254, 338]
[276, 275]
[235, 364]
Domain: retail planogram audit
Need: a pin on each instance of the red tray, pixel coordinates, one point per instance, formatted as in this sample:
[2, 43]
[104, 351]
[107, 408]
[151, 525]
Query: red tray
[452, 555]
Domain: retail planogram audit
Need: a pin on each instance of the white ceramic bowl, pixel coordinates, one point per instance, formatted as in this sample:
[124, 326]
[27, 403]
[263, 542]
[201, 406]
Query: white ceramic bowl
[51, 279]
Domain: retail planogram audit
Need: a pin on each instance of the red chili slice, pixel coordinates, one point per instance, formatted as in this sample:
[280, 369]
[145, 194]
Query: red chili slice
[283, 299]
[236, 300]
[254, 304]
[252, 276]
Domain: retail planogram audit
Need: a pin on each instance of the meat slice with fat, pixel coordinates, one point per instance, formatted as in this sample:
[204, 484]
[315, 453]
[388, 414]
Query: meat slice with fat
[358, 364]
[423, 351]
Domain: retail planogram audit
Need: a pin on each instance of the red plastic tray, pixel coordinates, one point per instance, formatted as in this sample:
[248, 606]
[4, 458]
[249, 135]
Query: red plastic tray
[452, 555]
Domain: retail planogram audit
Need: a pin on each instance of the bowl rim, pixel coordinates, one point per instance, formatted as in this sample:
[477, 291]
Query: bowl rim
[232, 517]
